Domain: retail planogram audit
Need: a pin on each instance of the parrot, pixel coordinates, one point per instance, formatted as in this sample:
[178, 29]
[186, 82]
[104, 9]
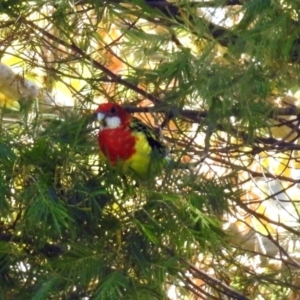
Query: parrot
[127, 142]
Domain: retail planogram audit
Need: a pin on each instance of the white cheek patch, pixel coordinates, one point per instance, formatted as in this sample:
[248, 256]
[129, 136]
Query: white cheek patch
[108, 122]
[112, 122]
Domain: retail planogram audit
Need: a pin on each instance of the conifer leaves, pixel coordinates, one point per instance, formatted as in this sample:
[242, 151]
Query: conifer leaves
[111, 238]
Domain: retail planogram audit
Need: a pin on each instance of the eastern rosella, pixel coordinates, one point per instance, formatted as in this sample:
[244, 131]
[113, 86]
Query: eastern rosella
[127, 142]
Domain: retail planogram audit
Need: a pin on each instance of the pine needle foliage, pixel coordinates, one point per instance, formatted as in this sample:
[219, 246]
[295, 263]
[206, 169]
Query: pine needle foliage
[220, 82]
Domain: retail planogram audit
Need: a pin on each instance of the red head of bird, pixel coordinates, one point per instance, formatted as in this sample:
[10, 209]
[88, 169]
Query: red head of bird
[111, 116]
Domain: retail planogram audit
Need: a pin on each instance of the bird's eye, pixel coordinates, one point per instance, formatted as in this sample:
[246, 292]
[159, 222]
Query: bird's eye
[113, 110]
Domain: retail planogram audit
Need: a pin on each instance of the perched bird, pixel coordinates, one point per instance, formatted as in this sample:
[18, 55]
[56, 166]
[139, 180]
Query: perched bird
[127, 142]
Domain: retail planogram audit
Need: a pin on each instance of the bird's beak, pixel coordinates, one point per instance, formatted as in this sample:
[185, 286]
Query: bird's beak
[100, 116]
[101, 119]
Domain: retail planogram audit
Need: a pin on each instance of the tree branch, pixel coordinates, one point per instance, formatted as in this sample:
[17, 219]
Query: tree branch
[214, 282]
[81, 54]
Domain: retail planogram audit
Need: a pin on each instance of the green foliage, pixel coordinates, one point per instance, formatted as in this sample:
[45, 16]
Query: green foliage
[75, 233]
[73, 227]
